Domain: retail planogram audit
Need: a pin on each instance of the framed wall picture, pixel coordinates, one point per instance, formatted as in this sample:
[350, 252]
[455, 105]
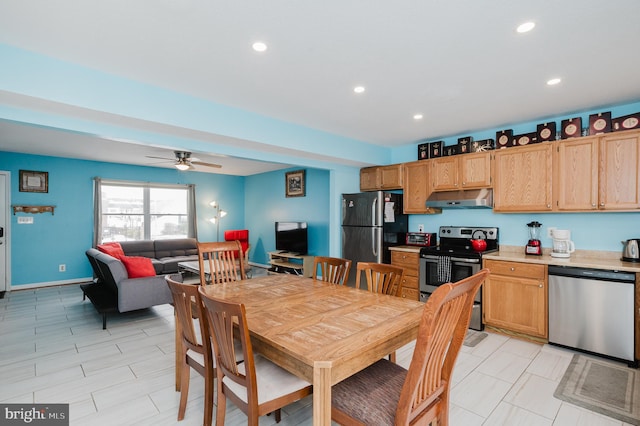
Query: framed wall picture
[31, 181]
[294, 184]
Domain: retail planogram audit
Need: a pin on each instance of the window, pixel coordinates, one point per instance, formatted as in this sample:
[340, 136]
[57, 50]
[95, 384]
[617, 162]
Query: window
[143, 211]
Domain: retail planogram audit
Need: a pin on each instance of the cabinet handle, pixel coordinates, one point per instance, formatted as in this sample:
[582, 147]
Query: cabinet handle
[548, 206]
[594, 205]
[540, 285]
[513, 269]
[602, 204]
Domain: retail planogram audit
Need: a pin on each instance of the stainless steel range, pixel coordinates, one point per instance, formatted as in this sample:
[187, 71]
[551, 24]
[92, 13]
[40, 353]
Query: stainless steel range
[455, 259]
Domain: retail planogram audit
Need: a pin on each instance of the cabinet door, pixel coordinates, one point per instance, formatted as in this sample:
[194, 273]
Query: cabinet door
[576, 174]
[444, 173]
[475, 170]
[516, 304]
[370, 179]
[522, 178]
[417, 187]
[619, 171]
[391, 177]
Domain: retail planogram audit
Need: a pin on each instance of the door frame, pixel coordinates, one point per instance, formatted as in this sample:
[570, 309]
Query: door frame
[7, 228]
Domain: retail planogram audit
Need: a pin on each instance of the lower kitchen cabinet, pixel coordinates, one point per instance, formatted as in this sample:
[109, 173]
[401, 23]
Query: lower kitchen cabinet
[515, 297]
[408, 260]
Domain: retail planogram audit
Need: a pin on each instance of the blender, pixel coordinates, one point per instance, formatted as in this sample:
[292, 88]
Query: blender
[533, 245]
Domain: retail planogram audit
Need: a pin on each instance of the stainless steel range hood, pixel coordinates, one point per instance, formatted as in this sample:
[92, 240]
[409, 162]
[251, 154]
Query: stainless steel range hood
[464, 199]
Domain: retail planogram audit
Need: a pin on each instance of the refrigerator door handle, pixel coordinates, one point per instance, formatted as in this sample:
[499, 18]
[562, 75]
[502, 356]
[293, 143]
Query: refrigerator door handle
[374, 216]
[374, 242]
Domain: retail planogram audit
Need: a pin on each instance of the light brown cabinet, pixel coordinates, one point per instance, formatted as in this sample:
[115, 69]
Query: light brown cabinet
[417, 188]
[523, 178]
[515, 297]
[598, 172]
[381, 177]
[410, 262]
[465, 171]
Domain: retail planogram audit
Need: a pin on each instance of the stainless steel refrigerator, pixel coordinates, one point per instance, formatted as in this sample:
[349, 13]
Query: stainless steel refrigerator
[371, 223]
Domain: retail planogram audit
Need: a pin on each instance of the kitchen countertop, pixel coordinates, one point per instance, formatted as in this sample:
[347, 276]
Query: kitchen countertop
[608, 260]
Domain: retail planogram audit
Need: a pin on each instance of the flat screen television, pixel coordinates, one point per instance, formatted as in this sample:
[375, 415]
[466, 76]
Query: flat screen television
[291, 237]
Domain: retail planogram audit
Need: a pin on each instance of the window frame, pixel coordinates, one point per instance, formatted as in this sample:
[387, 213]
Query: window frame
[146, 188]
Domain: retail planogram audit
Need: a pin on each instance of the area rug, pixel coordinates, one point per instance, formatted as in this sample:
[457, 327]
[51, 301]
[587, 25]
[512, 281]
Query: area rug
[603, 387]
[473, 338]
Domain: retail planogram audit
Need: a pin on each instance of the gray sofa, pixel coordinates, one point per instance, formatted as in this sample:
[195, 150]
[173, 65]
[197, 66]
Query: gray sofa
[113, 290]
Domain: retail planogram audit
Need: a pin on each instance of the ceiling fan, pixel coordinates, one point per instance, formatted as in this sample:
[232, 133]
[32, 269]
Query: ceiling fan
[183, 161]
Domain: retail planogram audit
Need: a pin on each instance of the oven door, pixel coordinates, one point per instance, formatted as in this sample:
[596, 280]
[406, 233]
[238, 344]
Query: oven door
[460, 268]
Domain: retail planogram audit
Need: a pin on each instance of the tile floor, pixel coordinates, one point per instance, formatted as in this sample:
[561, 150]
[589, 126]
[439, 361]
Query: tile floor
[53, 350]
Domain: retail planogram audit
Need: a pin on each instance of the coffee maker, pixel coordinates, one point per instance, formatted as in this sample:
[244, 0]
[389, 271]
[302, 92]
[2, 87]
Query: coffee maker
[534, 246]
[562, 244]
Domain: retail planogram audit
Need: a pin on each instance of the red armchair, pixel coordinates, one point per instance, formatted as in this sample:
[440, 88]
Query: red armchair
[241, 235]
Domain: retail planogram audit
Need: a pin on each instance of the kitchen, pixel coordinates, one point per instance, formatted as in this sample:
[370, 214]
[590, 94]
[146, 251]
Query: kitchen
[551, 189]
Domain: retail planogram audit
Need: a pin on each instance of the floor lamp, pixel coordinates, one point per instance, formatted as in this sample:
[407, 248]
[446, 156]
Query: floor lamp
[216, 218]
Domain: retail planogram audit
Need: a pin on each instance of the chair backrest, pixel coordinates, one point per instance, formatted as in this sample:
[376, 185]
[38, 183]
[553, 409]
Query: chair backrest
[381, 277]
[188, 305]
[443, 327]
[332, 269]
[241, 235]
[218, 262]
[226, 320]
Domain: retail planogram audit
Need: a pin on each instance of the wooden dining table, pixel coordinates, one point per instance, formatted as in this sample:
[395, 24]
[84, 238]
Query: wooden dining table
[321, 332]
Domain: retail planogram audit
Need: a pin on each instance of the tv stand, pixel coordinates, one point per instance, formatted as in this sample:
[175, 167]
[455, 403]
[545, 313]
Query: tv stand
[283, 262]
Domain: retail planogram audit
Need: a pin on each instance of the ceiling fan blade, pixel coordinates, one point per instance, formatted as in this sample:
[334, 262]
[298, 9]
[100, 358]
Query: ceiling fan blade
[161, 158]
[200, 163]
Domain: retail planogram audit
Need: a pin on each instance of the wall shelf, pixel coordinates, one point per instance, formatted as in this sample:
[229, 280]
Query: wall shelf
[33, 209]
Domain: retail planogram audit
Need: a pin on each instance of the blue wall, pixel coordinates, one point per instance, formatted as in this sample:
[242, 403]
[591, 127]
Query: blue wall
[62, 238]
[253, 202]
[266, 204]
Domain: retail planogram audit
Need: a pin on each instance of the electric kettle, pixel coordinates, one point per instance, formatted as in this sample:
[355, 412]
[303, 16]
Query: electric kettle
[631, 252]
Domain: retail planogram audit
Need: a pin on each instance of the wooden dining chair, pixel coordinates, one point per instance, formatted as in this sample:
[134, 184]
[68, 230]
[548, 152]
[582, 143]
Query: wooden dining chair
[193, 345]
[218, 262]
[387, 394]
[256, 386]
[380, 277]
[332, 269]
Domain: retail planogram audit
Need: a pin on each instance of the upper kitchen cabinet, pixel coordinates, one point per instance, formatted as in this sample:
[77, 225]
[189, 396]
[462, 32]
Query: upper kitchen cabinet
[381, 177]
[619, 187]
[598, 173]
[522, 178]
[461, 172]
[417, 188]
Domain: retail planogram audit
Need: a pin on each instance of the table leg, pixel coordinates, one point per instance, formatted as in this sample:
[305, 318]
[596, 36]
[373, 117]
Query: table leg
[322, 393]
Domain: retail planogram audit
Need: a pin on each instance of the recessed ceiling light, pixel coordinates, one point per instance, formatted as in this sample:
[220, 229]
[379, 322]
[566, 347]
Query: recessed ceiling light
[526, 27]
[417, 116]
[553, 81]
[358, 89]
[259, 46]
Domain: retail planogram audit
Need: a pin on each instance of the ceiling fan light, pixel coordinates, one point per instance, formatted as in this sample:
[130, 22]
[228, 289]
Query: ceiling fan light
[182, 166]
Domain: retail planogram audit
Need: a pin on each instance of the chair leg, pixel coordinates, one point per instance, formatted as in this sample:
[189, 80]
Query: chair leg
[208, 398]
[221, 407]
[179, 361]
[184, 390]
[392, 357]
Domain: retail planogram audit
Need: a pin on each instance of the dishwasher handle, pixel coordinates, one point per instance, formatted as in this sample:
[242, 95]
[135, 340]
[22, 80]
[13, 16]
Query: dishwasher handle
[593, 274]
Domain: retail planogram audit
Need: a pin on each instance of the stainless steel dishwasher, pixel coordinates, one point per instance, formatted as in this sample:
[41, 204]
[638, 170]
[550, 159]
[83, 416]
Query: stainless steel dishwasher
[592, 310]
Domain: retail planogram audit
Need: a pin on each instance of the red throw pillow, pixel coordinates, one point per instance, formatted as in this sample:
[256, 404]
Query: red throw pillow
[112, 249]
[138, 266]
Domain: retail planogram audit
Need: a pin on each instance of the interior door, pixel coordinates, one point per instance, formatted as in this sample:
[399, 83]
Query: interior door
[4, 208]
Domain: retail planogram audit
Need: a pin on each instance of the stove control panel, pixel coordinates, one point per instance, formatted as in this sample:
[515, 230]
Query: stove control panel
[469, 232]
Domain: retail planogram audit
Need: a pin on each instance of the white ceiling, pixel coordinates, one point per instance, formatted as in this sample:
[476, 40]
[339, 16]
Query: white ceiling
[459, 63]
